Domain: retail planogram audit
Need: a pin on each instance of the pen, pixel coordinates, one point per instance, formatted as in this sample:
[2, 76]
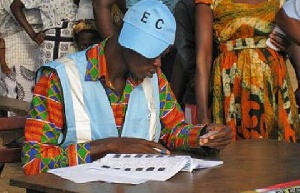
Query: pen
[161, 151]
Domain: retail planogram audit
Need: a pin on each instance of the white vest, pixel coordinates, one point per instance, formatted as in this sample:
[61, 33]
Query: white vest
[88, 112]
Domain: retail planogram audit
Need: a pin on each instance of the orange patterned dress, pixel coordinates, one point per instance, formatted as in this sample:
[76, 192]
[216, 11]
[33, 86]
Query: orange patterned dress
[251, 86]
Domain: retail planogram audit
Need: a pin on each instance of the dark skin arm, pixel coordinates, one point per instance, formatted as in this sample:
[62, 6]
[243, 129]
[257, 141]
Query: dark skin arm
[290, 26]
[295, 61]
[17, 9]
[204, 50]
[103, 18]
[218, 137]
[124, 145]
[4, 68]
[179, 80]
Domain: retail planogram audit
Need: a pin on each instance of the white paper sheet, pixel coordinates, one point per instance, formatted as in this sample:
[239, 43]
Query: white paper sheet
[195, 164]
[132, 168]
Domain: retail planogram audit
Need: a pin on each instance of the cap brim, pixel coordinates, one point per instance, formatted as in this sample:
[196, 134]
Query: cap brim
[141, 42]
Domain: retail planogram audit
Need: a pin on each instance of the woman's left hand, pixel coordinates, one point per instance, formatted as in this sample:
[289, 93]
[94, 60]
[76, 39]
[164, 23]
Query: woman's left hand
[218, 136]
[280, 41]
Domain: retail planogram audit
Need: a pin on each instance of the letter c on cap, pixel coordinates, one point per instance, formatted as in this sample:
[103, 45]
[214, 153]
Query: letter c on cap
[159, 23]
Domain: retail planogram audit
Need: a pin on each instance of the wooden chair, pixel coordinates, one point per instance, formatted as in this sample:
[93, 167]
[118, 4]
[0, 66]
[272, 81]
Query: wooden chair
[15, 105]
[11, 128]
[11, 136]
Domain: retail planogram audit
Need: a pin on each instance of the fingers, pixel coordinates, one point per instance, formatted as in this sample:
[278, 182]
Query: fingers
[216, 131]
[280, 45]
[136, 145]
[145, 149]
[39, 38]
[280, 41]
[5, 70]
[217, 143]
[218, 137]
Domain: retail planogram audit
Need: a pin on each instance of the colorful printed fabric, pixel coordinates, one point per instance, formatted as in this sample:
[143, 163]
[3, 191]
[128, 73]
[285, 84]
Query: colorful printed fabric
[20, 82]
[8, 23]
[53, 12]
[58, 43]
[21, 54]
[252, 90]
[41, 150]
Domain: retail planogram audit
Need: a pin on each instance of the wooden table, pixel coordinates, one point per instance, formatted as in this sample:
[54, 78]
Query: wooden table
[248, 165]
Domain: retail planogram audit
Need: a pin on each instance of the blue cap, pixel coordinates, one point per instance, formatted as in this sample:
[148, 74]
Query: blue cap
[149, 28]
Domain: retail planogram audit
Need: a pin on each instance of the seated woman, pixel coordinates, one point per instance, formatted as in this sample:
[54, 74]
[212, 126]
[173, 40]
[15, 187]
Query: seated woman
[85, 34]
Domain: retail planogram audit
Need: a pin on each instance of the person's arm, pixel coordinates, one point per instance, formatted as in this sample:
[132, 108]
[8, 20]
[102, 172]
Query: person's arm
[178, 135]
[4, 68]
[17, 10]
[294, 52]
[2, 51]
[184, 65]
[43, 127]
[204, 50]
[290, 26]
[103, 18]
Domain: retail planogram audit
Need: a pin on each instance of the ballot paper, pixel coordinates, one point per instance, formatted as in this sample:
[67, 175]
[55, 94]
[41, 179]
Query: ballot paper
[132, 168]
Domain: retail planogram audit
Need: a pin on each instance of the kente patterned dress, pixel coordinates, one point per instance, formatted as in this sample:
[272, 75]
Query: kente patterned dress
[251, 86]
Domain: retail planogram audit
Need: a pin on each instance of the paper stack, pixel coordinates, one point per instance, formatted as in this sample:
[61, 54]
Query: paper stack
[132, 168]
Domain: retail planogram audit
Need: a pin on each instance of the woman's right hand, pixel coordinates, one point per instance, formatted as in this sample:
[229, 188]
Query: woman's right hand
[279, 40]
[38, 37]
[5, 69]
[217, 136]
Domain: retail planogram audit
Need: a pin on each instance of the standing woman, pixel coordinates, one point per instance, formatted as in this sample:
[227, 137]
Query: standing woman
[58, 19]
[18, 54]
[251, 88]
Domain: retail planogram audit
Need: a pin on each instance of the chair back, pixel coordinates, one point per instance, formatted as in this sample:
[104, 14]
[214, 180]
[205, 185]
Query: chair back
[11, 130]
